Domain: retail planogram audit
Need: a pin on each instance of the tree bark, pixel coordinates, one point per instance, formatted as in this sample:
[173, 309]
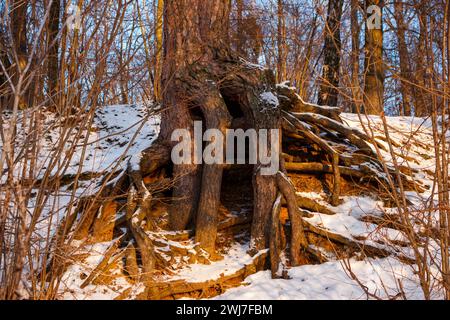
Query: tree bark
[190, 27]
[53, 50]
[356, 50]
[405, 73]
[204, 80]
[19, 33]
[158, 50]
[329, 87]
[374, 68]
[421, 107]
[281, 43]
[5, 86]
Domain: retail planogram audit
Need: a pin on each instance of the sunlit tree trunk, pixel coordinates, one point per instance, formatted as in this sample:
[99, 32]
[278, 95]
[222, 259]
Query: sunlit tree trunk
[355, 55]
[421, 107]
[190, 28]
[374, 68]
[18, 12]
[405, 75]
[5, 88]
[329, 87]
[281, 43]
[158, 50]
[53, 50]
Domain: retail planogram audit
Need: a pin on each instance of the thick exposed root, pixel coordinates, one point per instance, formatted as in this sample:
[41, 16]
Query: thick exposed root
[182, 288]
[292, 102]
[299, 242]
[275, 238]
[352, 246]
[313, 206]
[104, 263]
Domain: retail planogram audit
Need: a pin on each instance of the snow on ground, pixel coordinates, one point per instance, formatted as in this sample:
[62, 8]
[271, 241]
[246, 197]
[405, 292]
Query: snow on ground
[330, 281]
[413, 138]
[348, 226]
[381, 277]
[235, 259]
[76, 274]
[119, 126]
[123, 131]
[116, 133]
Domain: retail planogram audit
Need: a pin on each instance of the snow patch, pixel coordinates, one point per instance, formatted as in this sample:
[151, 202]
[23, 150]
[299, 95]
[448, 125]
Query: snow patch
[270, 99]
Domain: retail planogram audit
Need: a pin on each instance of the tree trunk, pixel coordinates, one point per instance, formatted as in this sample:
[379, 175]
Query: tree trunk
[123, 79]
[405, 73]
[374, 69]
[187, 40]
[19, 33]
[73, 72]
[216, 116]
[158, 50]
[281, 43]
[356, 50]
[53, 50]
[5, 87]
[421, 107]
[329, 87]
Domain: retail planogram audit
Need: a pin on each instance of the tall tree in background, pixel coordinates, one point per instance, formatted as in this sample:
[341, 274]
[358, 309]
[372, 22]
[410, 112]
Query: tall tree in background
[329, 92]
[205, 80]
[18, 15]
[74, 68]
[374, 68]
[4, 84]
[53, 50]
[281, 42]
[158, 50]
[421, 107]
[405, 73]
[355, 55]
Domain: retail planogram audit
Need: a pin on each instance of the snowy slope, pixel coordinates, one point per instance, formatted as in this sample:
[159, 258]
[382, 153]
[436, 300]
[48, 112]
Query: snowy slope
[330, 281]
[381, 277]
[116, 133]
[123, 131]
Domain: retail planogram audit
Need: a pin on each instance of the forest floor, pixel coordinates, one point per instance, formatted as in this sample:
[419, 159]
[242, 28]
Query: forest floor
[386, 274]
